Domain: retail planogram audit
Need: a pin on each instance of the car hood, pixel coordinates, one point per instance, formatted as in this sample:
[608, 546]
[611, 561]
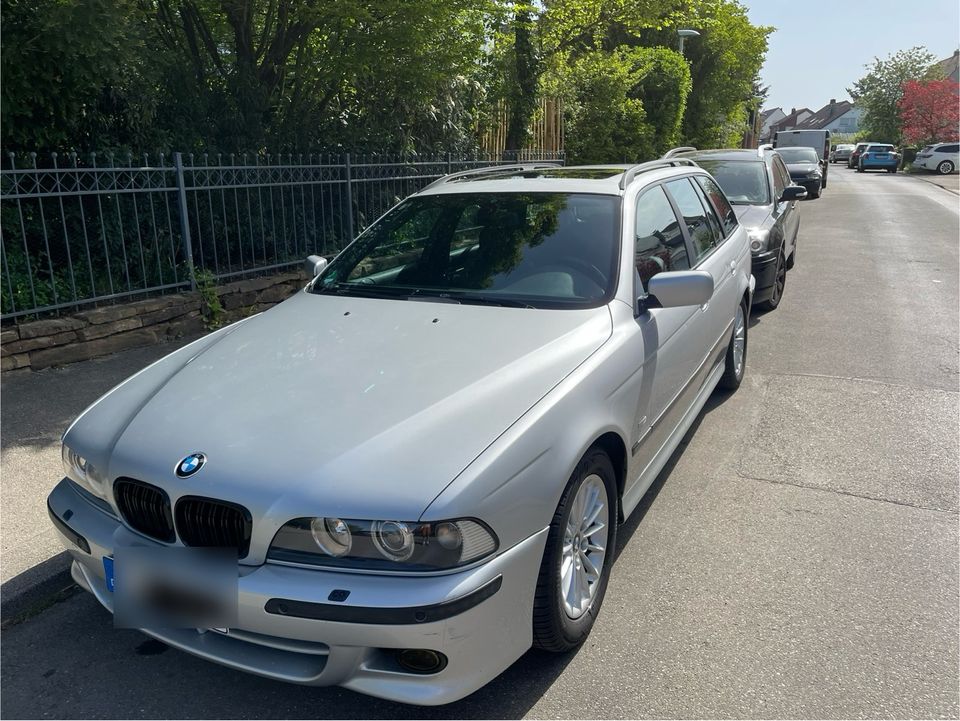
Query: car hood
[752, 216]
[802, 168]
[341, 406]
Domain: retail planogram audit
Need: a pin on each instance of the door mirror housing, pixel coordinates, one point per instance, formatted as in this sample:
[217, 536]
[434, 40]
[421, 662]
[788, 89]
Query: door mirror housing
[793, 192]
[314, 265]
[676, 289]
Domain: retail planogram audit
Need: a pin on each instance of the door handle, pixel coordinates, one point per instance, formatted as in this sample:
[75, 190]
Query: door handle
[733, 267]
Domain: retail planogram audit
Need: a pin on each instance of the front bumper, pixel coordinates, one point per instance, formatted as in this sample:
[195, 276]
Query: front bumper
[480, 618]
[764, 269]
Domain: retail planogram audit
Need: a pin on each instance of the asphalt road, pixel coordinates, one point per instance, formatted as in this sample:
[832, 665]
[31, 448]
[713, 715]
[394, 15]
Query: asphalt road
[797, 558]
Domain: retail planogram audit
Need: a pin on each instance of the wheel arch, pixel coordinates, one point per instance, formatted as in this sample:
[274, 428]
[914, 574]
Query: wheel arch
[612, 444]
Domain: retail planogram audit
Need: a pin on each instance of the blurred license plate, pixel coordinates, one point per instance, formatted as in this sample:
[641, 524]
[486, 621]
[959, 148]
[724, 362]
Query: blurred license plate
[173, 587]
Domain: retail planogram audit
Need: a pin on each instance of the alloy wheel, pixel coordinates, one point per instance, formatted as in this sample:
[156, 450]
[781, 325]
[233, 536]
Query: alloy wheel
[584, 547]
[739, 340]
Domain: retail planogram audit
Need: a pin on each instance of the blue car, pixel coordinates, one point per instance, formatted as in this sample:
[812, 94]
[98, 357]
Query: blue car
[878, 157]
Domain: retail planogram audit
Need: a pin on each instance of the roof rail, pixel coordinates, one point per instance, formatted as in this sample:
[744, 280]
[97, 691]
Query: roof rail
[674, 151]
[491, 169]
[630, 173]
[761, 149]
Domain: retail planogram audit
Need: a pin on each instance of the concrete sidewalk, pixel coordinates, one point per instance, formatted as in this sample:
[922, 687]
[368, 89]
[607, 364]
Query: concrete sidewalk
[37, 408]
[947, 182]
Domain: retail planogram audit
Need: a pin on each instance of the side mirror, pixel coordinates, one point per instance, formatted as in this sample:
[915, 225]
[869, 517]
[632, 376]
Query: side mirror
[678, 288]
[793, 192]
[314, 265]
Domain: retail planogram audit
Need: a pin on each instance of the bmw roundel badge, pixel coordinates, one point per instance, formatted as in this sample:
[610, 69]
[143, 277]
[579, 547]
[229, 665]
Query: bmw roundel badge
[190, 465]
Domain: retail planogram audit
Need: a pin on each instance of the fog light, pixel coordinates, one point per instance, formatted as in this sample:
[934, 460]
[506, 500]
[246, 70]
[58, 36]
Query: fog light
[421, 660]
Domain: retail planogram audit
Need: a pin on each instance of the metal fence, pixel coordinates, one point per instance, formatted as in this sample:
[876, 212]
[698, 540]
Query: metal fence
[75, 234]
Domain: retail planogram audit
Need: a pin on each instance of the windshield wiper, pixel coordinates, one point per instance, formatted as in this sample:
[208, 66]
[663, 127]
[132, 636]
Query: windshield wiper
[487, 300]
[368, 291]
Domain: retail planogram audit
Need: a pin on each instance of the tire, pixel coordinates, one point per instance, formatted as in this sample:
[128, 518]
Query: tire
[891, 170]
[732, 373]
[792, 260]
[945, 168]
[555, 627]
[779, 283]
[859, 168]
[816, 193]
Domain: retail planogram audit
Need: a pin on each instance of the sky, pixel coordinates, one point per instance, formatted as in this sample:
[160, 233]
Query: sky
[820, 47]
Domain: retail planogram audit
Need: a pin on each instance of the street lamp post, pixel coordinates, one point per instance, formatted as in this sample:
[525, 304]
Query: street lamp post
[684, 34]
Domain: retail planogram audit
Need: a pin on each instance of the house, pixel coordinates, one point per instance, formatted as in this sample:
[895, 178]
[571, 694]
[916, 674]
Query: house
[790, 122]
[839, 118]
[767, 119]
[950, 67]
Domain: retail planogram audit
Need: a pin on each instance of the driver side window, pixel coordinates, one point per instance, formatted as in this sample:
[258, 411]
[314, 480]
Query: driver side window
[658, 237]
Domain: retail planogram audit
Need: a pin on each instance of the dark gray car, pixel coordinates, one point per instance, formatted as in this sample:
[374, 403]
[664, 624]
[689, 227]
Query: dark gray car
[758, 186]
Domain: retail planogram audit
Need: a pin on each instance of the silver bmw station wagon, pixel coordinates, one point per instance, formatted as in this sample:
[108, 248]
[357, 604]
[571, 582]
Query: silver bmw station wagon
[409, 473]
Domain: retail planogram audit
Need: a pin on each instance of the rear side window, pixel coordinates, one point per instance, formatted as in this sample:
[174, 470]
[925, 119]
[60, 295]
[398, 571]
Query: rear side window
[694, 215]
[720, 204]
[659, 240]
[949, 149]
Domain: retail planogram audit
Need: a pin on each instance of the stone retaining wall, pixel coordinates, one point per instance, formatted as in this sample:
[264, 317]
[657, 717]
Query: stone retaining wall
[101, 331]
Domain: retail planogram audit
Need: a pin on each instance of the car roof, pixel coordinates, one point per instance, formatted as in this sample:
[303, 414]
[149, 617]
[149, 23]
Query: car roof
[750, 154]
[601, 179]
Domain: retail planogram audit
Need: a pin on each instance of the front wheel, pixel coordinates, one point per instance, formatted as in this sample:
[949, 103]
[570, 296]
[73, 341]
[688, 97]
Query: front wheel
[577, 559]
[778, 285]
[815, 193]
[859, 168]
[945, 168]
[735, 363]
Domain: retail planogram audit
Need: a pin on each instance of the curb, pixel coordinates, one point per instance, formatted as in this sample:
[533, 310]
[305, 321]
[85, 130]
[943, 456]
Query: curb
[931, 182]
[35, 589]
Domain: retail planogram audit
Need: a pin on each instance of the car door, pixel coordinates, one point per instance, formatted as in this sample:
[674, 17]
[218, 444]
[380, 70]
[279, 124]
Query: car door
[661, 245]
[712, 255]
[786, 215]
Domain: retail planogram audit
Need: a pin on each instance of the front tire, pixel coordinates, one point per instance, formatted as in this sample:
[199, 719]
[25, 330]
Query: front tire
[779, 283]
[578, 556]
[816, 193]
[945, 168]
[735, 364]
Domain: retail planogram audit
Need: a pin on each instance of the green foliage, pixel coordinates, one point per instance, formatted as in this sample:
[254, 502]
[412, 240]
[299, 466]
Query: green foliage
[75, 75]
[724, 63]
[879, 92]
[212, 309]
[624, 106]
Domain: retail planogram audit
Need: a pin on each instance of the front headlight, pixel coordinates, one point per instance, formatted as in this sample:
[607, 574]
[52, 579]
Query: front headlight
[81, 471]
[758, 239]
[383, 545]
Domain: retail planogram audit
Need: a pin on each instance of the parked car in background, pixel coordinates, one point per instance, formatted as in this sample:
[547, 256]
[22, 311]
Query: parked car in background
[758, 185]
[880, 156]
[804, 167]
[943, 158]
[414, 469]
[841, 152]
[855, 154]
[819, 140]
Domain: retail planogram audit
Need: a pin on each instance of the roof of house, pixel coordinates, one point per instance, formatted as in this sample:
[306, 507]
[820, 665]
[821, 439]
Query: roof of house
[764, 114]
[826, 115]
[950, 66]
[791, 120]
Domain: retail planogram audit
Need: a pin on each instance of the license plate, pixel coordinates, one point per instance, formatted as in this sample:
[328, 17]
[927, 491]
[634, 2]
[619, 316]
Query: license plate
[108, 572]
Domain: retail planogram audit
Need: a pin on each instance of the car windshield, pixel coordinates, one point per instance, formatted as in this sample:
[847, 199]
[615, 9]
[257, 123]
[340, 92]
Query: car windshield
[544, 250]
[743, 181]
[798, 155]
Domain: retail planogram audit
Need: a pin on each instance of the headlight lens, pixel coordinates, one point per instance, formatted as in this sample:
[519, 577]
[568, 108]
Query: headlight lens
[758, 239]
[383, 545]
[74, 465]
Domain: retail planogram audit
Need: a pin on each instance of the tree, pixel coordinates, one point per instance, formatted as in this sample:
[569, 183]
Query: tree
[879, 92]
[626, 105]
[929, 111]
